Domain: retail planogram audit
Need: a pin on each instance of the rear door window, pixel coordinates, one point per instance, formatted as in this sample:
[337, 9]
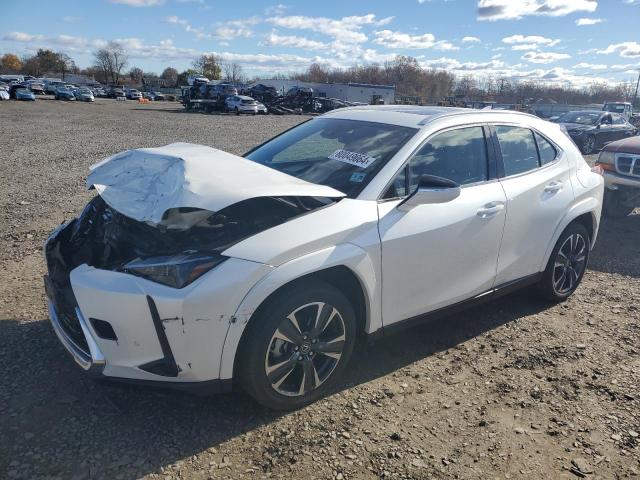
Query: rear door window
[518, 148]
[547, 151]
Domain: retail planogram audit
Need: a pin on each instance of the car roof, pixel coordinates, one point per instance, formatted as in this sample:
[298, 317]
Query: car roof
[416, 116]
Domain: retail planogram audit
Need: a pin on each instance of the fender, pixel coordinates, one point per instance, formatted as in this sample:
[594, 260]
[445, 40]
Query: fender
[585, 205]
[347, 254]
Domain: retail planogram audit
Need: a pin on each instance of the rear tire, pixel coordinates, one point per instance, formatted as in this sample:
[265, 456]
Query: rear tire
[589, 145]
[567, 264]
[298, 345]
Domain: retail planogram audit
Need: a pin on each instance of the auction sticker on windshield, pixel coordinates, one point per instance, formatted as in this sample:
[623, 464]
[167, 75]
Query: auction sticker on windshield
[361, 160]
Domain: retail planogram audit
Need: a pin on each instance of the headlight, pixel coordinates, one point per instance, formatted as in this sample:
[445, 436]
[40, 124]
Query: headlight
[176, 271]
[607, 157]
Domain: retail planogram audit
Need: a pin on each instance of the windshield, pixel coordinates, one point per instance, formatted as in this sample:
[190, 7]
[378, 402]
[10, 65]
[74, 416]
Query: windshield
[584, 118]
[617, 108]
[343, 154]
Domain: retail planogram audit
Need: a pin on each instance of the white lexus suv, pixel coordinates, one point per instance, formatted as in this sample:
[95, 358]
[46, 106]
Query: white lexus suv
[194, 267]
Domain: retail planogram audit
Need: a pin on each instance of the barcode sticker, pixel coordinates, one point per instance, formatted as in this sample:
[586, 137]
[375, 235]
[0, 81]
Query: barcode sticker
[361, 160]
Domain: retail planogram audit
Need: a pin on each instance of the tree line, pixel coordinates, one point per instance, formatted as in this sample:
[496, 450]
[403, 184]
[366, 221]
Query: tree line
[413, 82]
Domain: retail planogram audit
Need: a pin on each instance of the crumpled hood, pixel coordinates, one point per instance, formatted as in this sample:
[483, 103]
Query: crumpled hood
[144, 183]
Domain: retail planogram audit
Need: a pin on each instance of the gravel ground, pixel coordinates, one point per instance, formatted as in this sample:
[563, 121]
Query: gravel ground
[513, 389]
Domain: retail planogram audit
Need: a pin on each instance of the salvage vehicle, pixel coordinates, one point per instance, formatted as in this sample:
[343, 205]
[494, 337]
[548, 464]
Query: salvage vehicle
[23, 93]
[157, 96]
[241, 104]
[263, 93]
[593, 129]
[4, 92]
[84, 95]
[133, 94]
[64, 93]
[36, 87]
[620, 164]
[192, 267]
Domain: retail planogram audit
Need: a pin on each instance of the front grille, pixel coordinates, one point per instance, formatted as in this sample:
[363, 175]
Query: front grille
[628, 164]
[65, 305]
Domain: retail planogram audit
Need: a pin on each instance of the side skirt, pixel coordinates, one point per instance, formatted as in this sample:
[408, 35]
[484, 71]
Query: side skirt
[492, 294]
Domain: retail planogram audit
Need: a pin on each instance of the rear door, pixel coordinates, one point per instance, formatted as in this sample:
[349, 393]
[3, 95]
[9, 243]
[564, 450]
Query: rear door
[620, 128]
[536, 180]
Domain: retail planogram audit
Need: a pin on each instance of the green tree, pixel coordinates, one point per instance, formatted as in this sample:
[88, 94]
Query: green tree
[208, 66]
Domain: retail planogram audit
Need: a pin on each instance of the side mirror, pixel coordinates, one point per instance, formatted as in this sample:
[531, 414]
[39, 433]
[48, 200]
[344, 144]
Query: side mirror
[431, 189]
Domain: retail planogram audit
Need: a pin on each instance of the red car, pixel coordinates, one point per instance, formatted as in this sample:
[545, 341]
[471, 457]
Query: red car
[620, 162]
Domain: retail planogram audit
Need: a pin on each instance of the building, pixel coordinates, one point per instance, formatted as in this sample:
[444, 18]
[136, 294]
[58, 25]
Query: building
[350, 92]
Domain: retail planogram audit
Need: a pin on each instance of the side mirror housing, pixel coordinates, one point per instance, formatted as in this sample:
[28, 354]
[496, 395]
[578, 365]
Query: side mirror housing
[431, 189]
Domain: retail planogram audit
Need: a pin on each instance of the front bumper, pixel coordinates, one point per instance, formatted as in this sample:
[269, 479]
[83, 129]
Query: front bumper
[162, 335]
[613, 181]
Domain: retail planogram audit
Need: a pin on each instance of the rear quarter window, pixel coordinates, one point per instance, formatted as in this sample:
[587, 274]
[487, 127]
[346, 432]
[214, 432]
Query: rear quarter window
[518, 148]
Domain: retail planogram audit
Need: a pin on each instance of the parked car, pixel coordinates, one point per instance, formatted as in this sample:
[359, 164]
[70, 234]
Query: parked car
[51, 86]
[4, 94]
[620, 162]
[241, 104]
[64, 93]
[84, 95]
[36, 87]
[204, 267]
[157, 96]
[133, 94]
[20, 91]
[593, 129]
[24, 94]
[116, 92]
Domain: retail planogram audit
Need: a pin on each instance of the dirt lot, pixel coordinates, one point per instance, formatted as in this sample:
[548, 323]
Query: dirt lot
[514, 389]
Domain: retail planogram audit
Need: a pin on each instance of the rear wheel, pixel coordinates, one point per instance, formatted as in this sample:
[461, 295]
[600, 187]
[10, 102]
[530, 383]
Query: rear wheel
[298, 346]
[567, 264]
[589, 145]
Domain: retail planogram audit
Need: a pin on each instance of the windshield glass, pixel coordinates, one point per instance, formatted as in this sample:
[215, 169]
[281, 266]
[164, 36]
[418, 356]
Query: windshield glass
[617, 108]
[343, 154]
[584, 118]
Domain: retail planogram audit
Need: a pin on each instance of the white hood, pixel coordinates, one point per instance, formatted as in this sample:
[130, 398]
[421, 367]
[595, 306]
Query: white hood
[144, 183]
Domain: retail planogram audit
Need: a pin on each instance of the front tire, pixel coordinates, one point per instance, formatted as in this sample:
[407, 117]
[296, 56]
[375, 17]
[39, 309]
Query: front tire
[567, 264]
[298, 346]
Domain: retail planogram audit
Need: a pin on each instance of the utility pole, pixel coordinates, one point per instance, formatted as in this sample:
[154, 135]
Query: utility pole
[635, 95]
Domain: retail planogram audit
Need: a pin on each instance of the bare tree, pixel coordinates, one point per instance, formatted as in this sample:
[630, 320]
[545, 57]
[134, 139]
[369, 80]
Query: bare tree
[233, 72]
[170, 76]
[136, 74]
[111, 60]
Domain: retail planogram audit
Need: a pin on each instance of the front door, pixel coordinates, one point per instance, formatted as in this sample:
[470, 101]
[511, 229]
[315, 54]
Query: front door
[435, 255]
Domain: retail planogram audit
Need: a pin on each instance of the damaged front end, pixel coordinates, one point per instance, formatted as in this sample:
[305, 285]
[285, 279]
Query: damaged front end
[122, 280]
[185, 245]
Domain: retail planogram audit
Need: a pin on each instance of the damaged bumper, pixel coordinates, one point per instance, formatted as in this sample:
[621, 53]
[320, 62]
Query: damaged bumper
[122, 327]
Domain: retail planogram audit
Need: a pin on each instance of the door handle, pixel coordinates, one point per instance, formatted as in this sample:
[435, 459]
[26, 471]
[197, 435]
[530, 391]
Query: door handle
[490, 209]
[554, 187]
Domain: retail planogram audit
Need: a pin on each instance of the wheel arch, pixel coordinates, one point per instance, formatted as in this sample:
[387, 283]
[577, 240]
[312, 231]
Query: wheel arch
[586, 213]
[348, 267]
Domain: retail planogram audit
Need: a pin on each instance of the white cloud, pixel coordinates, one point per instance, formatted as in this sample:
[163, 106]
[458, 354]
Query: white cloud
[278, 9]
[590, 66]
[516, 9]
[544, 57]
[392, 39]
[187, 26]
[470, 40]
[139, 3]
[71, 43]
[525, 46]
[273, 39]
[530, 39]
[345, 30]
[588, 21]
[236, 28]
[624, 49]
